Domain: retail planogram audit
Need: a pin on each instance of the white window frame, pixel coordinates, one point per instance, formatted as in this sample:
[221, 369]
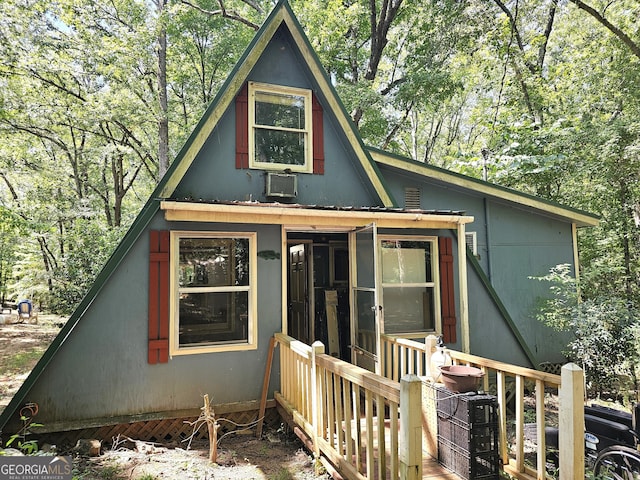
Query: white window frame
[307, 130]
[251, 343]
[434, 284]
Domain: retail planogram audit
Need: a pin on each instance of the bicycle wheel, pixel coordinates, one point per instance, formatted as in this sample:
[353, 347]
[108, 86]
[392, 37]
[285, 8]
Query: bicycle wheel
[617, 463]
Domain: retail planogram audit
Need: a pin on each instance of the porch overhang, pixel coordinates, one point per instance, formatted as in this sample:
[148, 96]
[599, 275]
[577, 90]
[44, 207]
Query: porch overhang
[323, 218]
[292, 216]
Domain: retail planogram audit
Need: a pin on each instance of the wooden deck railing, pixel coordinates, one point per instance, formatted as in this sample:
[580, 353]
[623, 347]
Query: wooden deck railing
[403, 356]
[366, 425]
[372, 427]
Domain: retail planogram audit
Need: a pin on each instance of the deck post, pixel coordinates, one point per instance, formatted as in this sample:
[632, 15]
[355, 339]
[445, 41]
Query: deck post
[317, 348]
[430, 342]
[571, 422]
[463, 290]
[410, 452]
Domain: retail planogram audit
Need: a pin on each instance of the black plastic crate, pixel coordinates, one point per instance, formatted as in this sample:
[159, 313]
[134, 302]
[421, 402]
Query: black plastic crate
[470, 409]
[478, 466]
[481, 437]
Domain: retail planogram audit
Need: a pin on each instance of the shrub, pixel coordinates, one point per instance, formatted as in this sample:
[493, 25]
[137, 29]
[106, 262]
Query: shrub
[605, 332]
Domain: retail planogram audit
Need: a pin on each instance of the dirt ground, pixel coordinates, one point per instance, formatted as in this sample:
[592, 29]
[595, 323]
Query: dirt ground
[279, 455]
[21, 346]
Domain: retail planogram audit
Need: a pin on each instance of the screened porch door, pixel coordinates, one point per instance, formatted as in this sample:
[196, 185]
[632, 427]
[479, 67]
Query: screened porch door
[366, 311]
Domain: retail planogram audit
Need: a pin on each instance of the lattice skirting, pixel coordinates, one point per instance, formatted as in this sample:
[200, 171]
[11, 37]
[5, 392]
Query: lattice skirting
[165, 431]
[548, 367]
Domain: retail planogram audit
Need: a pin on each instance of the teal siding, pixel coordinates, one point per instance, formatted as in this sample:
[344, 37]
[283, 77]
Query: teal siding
[103, 367]
[490, 335]
[514, 244]
[524, 246]
[344, 182]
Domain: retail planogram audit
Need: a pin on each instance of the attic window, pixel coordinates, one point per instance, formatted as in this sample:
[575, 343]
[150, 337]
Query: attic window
[280, 128]
[412, 198]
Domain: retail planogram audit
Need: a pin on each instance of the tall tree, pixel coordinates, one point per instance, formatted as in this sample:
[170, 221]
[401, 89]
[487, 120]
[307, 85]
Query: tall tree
[163, 110]
[87, 112]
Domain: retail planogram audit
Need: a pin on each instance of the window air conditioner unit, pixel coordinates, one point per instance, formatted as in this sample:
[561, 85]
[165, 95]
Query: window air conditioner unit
[282, 185]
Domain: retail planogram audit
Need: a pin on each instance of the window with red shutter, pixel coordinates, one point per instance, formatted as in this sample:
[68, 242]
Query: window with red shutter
[213, 277]
[273, 127]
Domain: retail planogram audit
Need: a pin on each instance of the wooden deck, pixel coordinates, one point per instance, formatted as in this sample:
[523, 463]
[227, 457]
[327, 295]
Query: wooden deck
[373, 427]
[432, 469]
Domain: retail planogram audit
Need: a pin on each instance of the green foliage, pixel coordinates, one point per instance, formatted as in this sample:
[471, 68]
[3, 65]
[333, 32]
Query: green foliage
[491, 89]
[89, 248]
[24, 444]
[10, 228]
[605, 329]
[28, 447]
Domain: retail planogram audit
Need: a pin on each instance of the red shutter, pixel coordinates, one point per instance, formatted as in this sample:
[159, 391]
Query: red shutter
[242, 128]
[158, 296]
[447, 290]
[318, 137]
[242, 132]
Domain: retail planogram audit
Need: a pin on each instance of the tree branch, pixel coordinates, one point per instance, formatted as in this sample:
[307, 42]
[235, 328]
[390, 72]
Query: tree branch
[14, 194]
[223, 12]
[542, 52]
[379, 31]
[634, 47]
[515, 32]
[58, 86]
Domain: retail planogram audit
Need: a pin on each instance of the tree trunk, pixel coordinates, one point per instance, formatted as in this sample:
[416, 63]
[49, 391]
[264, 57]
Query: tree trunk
[626, 235]
[163, 120]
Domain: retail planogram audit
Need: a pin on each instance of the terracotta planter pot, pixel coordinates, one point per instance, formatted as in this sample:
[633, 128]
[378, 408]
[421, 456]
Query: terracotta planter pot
[460, 378]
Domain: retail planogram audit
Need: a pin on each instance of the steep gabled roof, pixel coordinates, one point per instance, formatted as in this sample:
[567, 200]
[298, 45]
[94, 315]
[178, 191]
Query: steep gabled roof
[281, 15]
[524, 200]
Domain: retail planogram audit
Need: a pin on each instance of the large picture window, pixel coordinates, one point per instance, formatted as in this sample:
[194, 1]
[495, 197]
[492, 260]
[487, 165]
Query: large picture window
[409, 287]
[213, 286]
[280, 120]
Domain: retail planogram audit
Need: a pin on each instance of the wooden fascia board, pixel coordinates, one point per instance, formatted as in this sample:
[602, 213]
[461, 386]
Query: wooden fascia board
[222, 103]
[282, 14]
[305, 217]
[473, 184]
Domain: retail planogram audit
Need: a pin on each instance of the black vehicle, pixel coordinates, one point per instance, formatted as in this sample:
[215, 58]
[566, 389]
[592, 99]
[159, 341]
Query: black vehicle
[611, 442]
